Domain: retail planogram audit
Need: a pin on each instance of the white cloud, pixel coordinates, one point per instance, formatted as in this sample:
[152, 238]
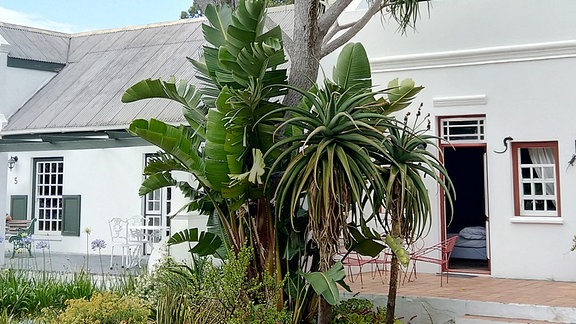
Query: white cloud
[33, 20]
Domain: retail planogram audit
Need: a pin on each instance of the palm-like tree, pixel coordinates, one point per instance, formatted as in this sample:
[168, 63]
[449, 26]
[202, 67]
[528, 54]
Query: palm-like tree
[342, 131]
[406, 200]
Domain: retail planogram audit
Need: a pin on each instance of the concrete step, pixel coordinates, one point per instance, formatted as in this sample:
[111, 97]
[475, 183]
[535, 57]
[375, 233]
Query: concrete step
[474, 319]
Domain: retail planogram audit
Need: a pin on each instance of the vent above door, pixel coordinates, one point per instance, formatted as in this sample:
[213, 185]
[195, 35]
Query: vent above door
[463, 129]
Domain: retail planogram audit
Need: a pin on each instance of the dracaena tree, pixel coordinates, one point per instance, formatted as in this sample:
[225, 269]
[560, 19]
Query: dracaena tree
[339, 156]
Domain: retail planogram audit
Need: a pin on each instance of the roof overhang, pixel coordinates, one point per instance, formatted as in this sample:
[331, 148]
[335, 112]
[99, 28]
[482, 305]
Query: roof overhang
[69, 141]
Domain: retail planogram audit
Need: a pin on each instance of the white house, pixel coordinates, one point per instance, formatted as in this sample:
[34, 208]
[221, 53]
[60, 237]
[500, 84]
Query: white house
[499, 84]
[498, 79]
[76, 166]
[64, 123]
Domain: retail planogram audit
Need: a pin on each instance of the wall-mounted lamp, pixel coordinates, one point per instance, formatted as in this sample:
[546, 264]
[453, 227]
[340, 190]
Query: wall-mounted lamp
[12, 161]
[505, 141]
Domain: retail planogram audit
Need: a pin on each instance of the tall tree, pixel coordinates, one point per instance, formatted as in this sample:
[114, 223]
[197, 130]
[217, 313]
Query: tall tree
[318, 33]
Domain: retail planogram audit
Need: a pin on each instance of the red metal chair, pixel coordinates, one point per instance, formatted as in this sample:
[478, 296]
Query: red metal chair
[380, 262]
[429, 254]
[353, 259]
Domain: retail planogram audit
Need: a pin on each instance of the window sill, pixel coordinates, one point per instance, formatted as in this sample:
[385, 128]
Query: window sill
[537, 220]
[47, 237]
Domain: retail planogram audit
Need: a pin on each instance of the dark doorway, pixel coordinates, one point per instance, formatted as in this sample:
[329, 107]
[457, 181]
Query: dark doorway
[466, 168]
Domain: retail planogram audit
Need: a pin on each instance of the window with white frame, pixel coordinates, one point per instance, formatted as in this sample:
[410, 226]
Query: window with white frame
[460, 129]
[157, 204]
[48, 182]
[536, 179]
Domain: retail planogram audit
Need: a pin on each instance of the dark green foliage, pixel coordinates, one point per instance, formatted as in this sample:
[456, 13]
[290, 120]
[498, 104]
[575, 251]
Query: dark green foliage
[209, 294]
[359, 311]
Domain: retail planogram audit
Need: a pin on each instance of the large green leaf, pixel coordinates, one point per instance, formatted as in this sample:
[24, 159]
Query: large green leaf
[156, 181]
[181, 92]
[206, 243]
[401, 94]
[364, 245]
[220, 18]
[324, 283]
[180, 142]
[352, 70]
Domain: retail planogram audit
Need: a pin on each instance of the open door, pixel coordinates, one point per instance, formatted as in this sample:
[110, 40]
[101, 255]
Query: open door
[466, 165]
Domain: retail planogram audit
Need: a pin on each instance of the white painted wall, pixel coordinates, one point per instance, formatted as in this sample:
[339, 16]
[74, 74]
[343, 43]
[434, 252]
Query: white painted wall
[17, 85]
[108, 181]
[520, 54]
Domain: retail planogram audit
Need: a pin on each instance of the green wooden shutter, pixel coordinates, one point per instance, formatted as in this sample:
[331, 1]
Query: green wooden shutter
[19, 207]
[71, 215]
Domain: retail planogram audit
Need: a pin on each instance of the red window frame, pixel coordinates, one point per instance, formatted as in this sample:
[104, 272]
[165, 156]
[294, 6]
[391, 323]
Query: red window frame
[516, 146]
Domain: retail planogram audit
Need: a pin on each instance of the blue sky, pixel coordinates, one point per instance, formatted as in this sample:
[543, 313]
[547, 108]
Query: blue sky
[72, 16]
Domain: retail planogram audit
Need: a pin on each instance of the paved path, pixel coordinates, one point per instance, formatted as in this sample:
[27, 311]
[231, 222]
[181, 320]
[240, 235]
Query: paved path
[476, 287]
[69, 263]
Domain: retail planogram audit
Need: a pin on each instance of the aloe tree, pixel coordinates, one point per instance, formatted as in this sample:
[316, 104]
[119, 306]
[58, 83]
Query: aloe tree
[342, 132]
[406, 200]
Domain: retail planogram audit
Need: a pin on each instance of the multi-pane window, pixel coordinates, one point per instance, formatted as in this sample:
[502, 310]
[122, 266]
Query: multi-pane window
[49, 180]
[536, 179]
[463, 129]
[157, 204]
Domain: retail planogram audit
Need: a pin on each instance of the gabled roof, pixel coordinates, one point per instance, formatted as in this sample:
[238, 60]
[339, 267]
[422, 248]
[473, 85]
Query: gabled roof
[85, 95]
[35, 44]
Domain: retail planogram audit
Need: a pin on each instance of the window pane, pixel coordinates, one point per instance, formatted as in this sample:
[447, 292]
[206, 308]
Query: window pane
[550, 205]
[527, 188]
[548, 173]
[549, 189]
[528, 205]
[538, 189]
[525, 173]
[539, 204]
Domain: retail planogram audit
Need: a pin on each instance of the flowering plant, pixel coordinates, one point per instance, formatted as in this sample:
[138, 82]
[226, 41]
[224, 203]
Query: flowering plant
[42, 245]
[98, 244]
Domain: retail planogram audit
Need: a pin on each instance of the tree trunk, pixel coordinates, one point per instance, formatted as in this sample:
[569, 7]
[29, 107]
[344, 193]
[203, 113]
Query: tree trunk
[305, 52]
[397, 210]
[324, 312]
[392, 290]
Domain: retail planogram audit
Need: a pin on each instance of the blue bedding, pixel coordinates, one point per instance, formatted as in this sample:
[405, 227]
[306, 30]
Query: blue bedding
[471, 244]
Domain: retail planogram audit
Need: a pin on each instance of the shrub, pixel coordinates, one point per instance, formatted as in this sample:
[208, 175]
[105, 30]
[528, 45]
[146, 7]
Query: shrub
[214, 294]
[359, 311]
[105, 308]
[25, 294]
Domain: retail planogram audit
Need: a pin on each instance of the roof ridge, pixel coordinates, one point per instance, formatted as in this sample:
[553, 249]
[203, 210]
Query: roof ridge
[137, 27]
[34, 30]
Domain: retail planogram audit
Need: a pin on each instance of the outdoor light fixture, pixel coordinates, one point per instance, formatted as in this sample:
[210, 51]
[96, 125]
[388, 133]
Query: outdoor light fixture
[12, 161]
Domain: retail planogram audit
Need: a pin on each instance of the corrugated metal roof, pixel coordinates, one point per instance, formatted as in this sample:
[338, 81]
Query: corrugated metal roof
[35, 44]
[101, 65]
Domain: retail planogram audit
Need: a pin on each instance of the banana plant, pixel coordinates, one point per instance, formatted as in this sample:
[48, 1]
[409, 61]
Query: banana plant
[222, 142]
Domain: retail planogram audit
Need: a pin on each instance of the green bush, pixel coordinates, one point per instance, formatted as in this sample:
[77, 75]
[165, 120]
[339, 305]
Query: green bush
[105, 308]
[213, 294]
[359, 311]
